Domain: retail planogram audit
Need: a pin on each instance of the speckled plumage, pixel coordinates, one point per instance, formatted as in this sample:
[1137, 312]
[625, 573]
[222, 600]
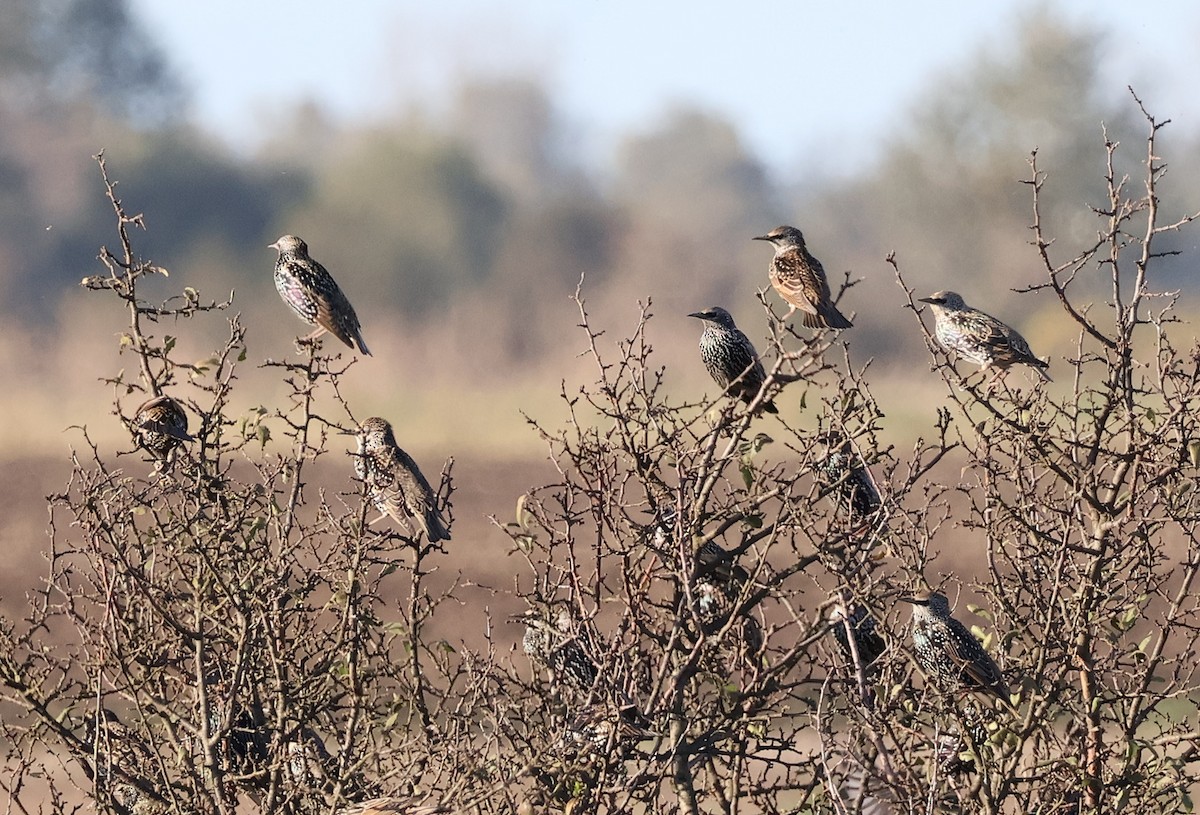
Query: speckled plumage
[600, 726]
[314, 295]
[978, 337]
[394, 482]
[730, 357]
[948, 652]
[559, 646]
[160, 426]
[848, 479]
[395, 805]
[800, 279]
[719, 580]
[126, 768]
[853, 623]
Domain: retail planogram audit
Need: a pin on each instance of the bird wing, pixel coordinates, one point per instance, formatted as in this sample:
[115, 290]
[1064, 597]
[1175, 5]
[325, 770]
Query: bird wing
[155, 424]
[382, 469]
[976, 666]
[800, 279]
[1003, 340]
[336, 315]
[393, 806]
[750, 372]
[414, 493]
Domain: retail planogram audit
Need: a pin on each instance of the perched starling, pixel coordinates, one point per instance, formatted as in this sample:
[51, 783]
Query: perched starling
[980, 338]
[847, 477]
[314, 295]
[714, 603]
[561, 648]
[395, 805]
[948, 652]
[730, 357]
[394, 482]
[126, 767]
[604, 726]
[857, 634]
[136, 802]
[160, 426]
[799, 279]
[714, 560]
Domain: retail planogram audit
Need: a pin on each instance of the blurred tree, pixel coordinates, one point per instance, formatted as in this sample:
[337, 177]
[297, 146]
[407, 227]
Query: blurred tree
[695, 197]
[947, 193]
[413, 210]
[74, 74]
[63, 51]
[512, 129]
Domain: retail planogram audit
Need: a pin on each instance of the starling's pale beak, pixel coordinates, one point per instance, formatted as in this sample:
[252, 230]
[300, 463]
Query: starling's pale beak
[925, 300]
[761, 238]
[699, 314]
[912, 600]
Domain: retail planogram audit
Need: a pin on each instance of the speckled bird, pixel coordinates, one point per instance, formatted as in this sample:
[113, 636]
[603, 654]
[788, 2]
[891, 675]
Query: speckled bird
[716, 591]
[853, 624]
[125, 768]
[561, 647]
[948, 653]
[394, 482]
[716, 600]
[395, 805]
[160, 426]
[847, 477]
[980, 338]
[314, 295]
[800, 279]
[730, 357]
[601, 726]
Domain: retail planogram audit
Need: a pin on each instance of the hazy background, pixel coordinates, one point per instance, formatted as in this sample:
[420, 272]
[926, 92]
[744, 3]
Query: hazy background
[458, 165]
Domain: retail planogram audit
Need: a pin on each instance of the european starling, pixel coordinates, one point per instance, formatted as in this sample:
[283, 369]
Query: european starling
[854, 625]
[715, 601]
[948, 652]
[314, 295]
[977, 337]
[126, 768]
[395, 806]
[394, 482]
[730, 357]
[799, 279]
[847, 477]
[160, 426]
[604, 726]
[559, 647]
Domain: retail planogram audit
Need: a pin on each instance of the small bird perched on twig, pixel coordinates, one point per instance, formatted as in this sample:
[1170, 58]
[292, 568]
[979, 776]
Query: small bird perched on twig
[980, 338]
[395, 806]
[949, 653]
[562, 646]
[730, 357]
[394, 482]
[799, 279]
[314, 295]
[159, 427]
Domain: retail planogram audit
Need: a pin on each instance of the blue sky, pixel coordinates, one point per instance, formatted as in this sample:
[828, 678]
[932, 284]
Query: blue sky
[799, 78]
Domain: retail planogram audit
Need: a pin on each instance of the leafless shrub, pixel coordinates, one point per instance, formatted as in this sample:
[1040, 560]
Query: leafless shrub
[216, 630]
